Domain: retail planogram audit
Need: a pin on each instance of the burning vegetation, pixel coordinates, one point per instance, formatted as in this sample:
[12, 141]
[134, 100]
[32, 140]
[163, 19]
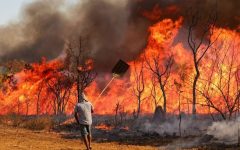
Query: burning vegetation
[183, 60]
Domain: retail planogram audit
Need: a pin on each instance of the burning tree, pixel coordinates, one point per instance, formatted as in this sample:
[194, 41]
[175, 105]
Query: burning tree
[120, 114]
[164, 39]
[154, 92]
[198, 25]
[221, 89]
[79, 64]
[60, 85]
[161, 72]
[138, 86]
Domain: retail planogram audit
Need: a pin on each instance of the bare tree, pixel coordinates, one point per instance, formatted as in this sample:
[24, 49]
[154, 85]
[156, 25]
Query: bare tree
[207, 88]
[179, 91]
[200, 28]
[161, 72]
[60, 86]
[117, 108]
[79, 63]
[119, 112]
[183, 82]
[139, 86]
[154, 92]
[222, 92]
[237, 76]
[122, 114]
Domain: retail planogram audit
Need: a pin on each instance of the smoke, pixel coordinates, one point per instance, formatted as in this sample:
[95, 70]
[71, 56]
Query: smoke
[112, 33]
[114, 29]
[195, 132]
[226, 132]
[170, 127]
[46, 25]
[39, 33]
[227, 10]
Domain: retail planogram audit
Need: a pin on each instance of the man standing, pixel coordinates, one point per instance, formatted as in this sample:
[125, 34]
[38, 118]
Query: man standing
[83, 116]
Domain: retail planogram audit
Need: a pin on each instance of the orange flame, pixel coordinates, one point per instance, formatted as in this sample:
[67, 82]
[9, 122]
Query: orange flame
[163, 40]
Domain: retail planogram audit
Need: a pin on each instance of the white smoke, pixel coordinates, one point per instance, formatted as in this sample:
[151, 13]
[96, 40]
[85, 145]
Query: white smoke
[195, 132]
[171, 127]
[225, 131]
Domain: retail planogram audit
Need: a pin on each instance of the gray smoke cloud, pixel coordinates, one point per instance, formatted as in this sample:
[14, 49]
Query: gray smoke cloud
[46, 25]
[115, 29]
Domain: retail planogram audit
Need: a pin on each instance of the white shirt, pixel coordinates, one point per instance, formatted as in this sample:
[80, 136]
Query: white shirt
[84, 111]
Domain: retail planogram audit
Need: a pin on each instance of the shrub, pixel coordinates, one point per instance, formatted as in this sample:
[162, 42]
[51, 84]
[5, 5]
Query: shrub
[39, 123]
[13, 119]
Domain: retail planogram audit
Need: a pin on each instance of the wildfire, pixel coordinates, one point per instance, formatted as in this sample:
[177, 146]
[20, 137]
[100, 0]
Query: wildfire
[104, 127]
[163, 40]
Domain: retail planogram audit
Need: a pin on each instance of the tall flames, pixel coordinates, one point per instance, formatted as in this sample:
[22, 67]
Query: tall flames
[221, 65]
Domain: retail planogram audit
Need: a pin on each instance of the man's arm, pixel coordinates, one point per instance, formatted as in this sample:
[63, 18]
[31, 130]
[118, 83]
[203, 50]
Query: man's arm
[92, 110]
[76, 117]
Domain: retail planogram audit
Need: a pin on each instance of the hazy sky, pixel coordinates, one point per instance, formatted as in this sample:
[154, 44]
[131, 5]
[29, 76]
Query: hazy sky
[10, 9]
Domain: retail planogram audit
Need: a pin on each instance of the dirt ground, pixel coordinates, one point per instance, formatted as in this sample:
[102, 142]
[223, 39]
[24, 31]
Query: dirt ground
[21, 139]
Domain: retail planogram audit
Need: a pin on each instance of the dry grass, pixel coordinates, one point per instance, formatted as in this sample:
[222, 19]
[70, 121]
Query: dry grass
[44, 122]
[38, 123]
[22, 139]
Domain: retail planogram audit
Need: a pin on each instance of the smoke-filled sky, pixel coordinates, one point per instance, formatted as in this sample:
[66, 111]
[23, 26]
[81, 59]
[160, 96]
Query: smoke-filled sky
[43, 27]
[115, 28]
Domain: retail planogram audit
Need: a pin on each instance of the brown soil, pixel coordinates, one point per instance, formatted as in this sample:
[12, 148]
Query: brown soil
[21, 139]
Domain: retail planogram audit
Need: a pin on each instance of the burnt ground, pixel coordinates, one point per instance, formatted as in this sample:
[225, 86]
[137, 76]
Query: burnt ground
[140, 138]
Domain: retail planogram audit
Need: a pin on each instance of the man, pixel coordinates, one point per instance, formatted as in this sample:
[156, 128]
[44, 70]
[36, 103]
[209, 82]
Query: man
[83, 116]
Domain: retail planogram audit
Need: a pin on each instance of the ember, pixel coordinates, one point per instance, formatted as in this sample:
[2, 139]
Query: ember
[104, 127]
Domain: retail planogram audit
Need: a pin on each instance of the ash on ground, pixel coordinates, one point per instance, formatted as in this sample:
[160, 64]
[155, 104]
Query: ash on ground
[166, 133]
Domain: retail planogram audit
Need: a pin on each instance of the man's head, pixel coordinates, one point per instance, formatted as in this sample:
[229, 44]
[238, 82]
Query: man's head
[82, 98]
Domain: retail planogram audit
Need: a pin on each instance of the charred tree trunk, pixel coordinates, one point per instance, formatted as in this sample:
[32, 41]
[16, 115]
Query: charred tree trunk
[164, 96]
[139, 106]
[78, 89]
[139, 86]
[199, 46]
[194, 89]
[161, 73]
[79, 92]
[180, 116]
[116, 113]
